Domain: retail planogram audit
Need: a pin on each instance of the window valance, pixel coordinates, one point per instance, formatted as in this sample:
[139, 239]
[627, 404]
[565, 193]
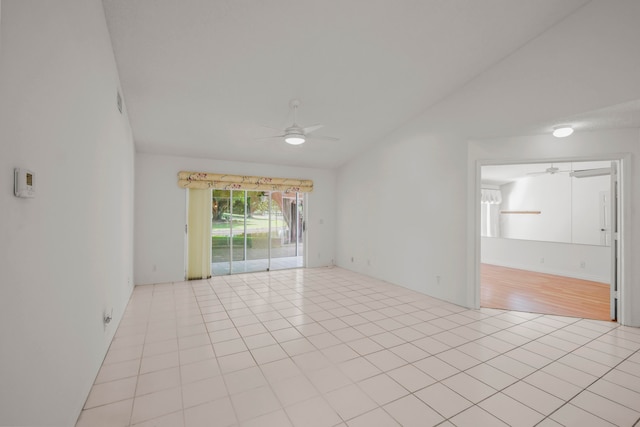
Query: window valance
[490, 197]
[203, 180]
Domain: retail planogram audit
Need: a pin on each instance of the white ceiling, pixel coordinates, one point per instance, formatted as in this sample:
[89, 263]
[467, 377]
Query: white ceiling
[201, 77]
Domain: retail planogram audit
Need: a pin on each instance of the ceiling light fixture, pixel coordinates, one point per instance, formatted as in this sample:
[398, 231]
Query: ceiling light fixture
[562, 131]
[294, 139]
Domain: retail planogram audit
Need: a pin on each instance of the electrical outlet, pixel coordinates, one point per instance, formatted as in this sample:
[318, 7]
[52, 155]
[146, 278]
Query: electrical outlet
[583, 264]
[541, 260]
[438, 279]
[107, 316]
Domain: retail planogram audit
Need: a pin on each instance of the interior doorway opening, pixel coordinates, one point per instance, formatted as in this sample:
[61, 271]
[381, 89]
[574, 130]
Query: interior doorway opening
[549, 238]
[256, 231]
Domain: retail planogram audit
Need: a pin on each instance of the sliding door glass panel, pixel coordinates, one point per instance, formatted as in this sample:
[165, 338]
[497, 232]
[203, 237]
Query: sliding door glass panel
[277, 228]
[286, 230]
[221, 232]
[256, 234]
[238, 231]
[301, 230]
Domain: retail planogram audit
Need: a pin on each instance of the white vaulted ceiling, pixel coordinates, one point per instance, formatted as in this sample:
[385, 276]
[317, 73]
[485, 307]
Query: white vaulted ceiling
[200, 77]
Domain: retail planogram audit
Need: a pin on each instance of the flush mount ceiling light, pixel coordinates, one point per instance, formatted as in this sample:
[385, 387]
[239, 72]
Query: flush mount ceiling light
[294, 140]
[562, 131]
[294, 136]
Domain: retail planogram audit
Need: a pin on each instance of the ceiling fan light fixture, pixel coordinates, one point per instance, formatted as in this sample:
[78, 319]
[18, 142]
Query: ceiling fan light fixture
[562, 131]
[294, 139]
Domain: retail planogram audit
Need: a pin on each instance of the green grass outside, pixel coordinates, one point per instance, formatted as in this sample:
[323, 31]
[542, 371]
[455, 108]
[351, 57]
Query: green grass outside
[223, 241]
[254, 222]
[255, 240]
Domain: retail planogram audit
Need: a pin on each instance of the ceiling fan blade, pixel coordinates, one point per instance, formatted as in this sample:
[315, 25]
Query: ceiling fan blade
[587, 173]
[270, 137]
[324, 138]
[272, 128]
[312, 128]
[546, 173]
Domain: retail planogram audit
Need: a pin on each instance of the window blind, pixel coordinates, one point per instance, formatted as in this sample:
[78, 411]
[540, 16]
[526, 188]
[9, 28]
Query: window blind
[491, 197]
[199, 234]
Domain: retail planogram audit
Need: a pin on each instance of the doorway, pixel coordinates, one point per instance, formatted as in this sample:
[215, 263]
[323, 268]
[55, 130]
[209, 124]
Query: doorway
[548, 239]
[256, 231]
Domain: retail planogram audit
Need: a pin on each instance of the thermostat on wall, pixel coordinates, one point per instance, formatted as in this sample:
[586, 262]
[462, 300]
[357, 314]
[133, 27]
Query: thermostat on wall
[23, 183]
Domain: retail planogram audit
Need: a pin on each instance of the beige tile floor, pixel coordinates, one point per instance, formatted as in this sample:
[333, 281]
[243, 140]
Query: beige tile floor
[329, 347]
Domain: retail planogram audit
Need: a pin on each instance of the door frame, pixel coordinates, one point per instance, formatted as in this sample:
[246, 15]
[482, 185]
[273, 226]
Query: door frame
[622, 267]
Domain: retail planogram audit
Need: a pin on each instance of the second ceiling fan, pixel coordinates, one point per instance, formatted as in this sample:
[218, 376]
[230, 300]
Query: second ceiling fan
[552, 170]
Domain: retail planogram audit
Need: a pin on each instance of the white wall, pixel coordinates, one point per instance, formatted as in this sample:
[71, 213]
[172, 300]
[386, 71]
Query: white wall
[401, 213]
[160, 211]
[569, 208]
[562, 259]
[66, 255]
[549, 194]
[580, 146]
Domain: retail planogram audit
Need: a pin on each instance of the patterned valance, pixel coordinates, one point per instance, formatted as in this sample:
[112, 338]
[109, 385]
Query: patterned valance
[220, 181]
[490, 197]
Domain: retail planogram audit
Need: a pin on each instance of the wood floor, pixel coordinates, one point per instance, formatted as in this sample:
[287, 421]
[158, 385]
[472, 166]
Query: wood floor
[520, 290]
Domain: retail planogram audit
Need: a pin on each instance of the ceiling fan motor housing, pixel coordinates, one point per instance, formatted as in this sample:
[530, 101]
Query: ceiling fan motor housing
[294, 130]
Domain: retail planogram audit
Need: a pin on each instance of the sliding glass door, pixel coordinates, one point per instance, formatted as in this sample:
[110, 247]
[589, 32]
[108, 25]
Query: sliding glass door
[256, 231]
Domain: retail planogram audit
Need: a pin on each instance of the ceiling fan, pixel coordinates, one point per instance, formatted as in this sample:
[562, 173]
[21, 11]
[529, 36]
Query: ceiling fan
[552, 170]
[296, 134]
